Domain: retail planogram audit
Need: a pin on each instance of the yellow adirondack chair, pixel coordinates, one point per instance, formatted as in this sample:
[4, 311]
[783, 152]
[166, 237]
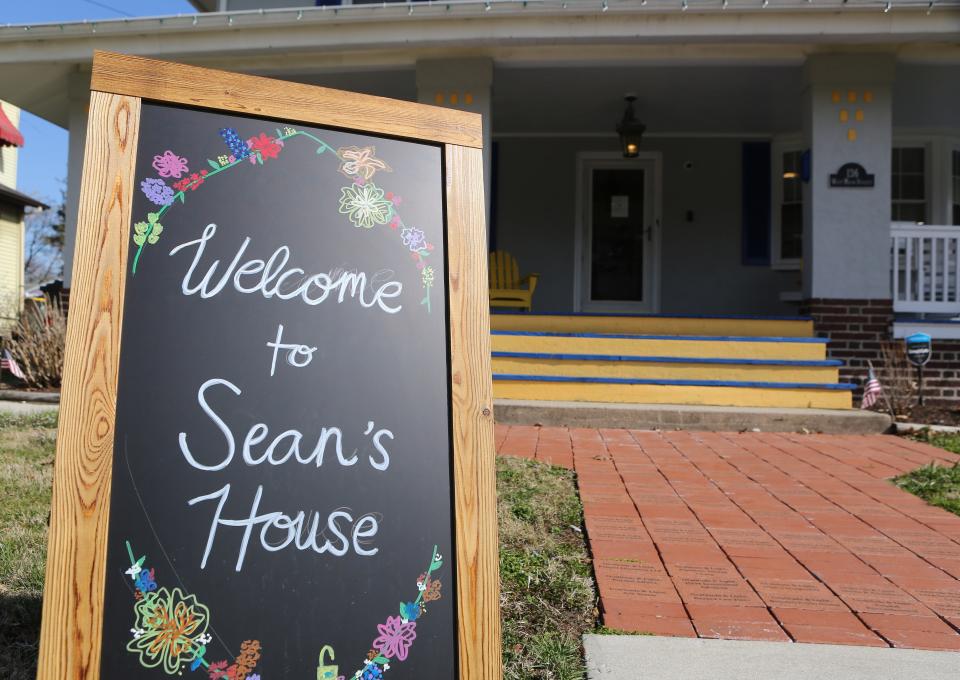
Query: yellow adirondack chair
[505, 282]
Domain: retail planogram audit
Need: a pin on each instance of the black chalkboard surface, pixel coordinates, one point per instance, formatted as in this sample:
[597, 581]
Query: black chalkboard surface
[281, 492]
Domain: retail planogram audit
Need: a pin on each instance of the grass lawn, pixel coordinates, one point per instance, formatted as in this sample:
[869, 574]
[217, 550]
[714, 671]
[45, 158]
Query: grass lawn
[936, 484]
[26, 472]
[548, 598]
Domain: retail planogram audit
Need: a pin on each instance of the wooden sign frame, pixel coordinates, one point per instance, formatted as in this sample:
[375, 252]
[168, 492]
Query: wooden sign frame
[70, 641]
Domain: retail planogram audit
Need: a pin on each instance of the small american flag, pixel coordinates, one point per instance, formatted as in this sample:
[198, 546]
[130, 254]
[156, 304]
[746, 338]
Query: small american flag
[9, 363]
[871, 391]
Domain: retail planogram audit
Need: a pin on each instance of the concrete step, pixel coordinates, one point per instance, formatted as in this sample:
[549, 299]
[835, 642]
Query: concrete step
[655, 324]
[665, 368]
[696, 346]
[703, 392]
[688, 417]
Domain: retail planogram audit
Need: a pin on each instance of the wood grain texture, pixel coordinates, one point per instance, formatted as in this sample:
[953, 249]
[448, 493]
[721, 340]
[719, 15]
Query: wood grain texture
[76, 556]
[225, 91]
[475, 491]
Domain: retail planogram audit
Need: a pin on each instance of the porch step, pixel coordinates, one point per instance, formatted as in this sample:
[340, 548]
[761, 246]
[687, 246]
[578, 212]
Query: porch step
[665, 367]
[655, 324]
[656, 359]
[701, 392]
[690, 346]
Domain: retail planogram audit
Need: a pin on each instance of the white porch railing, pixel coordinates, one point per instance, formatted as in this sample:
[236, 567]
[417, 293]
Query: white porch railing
[925, 268]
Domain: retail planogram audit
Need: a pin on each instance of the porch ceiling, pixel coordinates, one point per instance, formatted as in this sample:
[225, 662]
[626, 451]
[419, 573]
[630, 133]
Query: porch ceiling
[670, 99]
[694, 99]
[36, 61]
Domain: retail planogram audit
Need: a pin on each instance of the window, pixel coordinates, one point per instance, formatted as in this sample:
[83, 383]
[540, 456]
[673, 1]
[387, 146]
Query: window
[956, 187]
[791, 207]
[787, 208]
[909, 185]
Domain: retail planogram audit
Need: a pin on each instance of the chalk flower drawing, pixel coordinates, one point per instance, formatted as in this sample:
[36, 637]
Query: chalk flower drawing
[148, 231]
[414, 239]
[157, 191]
[170, 621]
[170, 630]
[363, 203]
[360, 162]
[396, 637]
[170, 165]
[265, 146]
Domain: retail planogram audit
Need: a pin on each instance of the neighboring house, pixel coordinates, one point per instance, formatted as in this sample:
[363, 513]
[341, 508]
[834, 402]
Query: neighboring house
[12, 205]
[800, 158]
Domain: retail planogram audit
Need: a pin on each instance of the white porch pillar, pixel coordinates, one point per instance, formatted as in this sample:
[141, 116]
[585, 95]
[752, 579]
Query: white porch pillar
[461, 84]
[847, 118]
[78, 91]
[846, 231]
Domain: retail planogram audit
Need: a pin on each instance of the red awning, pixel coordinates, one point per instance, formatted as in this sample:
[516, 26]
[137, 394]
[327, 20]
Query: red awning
[9, 134]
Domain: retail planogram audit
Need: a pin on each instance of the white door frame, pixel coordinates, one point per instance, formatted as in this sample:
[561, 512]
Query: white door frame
[590, 160]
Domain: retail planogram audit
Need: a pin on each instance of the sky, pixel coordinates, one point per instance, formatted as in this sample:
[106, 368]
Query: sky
[42, 168]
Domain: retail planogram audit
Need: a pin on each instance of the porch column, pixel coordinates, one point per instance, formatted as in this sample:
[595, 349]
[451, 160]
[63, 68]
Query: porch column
[461, 84]
[847, 119]
[78, 93]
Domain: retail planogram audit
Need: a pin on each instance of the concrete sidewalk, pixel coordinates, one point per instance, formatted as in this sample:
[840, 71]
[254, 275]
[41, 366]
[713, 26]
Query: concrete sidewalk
[23, 408]
[628, 657]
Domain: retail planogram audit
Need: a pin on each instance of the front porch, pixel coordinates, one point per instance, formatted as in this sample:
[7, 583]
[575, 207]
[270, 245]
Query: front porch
[733, 211]
[734, 206]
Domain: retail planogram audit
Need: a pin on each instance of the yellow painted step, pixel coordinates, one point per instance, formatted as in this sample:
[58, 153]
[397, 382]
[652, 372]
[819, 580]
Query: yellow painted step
[672, 394]
[659, 346]
[654, 325]
[670, 370]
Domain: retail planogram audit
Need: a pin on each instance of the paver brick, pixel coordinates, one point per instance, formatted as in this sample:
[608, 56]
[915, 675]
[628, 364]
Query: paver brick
[760, 535]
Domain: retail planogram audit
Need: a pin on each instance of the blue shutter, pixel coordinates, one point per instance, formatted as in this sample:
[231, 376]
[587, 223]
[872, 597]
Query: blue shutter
[756, 203]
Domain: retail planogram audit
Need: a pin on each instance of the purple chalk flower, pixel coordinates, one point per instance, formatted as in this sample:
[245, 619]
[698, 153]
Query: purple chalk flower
[414, 239]
[157, 191]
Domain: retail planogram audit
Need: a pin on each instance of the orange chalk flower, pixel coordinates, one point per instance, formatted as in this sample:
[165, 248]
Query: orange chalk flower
[170, 622]
[360, 162]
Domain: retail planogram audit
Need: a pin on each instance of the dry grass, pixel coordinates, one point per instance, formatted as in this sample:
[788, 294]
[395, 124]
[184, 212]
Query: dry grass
[548, 599]
[26, 473]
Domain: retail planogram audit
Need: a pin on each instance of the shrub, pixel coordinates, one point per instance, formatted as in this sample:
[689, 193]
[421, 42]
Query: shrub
[897, 376]
[37, 343]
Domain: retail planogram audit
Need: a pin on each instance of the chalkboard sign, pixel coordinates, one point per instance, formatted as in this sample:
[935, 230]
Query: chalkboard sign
[298, 440]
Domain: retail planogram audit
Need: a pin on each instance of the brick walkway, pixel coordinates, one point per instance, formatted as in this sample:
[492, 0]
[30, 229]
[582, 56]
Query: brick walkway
[759, 536]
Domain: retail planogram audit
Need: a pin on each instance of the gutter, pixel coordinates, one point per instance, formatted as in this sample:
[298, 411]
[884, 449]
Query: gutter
[460, 9]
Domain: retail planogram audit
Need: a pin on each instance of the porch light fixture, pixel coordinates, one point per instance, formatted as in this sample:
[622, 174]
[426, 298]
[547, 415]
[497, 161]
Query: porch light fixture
[630, 130]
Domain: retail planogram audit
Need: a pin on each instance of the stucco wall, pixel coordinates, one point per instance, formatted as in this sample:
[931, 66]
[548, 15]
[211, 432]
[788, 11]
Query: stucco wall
[701, 270]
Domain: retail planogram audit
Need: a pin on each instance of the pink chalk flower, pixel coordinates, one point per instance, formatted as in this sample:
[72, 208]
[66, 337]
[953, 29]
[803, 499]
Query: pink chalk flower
[396, 637]
[170, 164]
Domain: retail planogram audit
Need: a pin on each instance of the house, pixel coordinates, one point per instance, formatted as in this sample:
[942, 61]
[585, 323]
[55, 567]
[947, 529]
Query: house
[793, 203]
[12, 205]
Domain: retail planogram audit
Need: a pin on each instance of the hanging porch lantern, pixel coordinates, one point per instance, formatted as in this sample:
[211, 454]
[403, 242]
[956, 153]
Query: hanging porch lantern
[630, 130]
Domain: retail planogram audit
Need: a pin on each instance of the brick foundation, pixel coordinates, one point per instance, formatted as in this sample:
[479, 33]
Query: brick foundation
[856, 328]
[941, 377]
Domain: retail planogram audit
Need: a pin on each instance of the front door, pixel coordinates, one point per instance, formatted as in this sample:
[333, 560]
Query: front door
[618, 235]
